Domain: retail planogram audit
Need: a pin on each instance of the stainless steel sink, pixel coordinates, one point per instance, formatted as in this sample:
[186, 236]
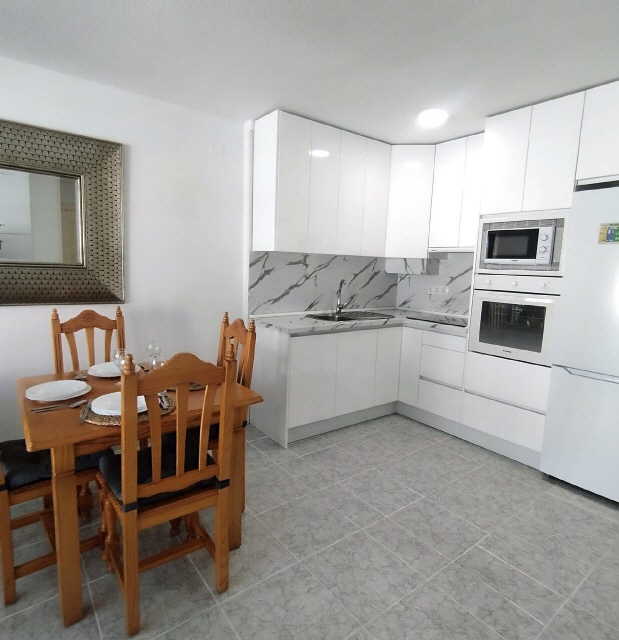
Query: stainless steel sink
[349, 316]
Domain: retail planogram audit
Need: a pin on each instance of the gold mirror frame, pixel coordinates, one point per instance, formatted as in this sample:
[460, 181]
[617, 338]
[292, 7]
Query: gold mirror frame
[99, 164]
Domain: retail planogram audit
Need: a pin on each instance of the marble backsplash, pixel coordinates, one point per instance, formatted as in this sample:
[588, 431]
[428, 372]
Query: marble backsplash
[292, 282]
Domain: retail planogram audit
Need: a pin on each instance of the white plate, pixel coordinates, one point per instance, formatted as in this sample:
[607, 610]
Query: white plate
[106, 370]
[109, 404]
[57, 390]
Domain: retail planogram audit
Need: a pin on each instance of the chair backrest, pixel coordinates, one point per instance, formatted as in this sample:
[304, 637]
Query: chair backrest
[178, 373]
[87, 321]
[241, 339]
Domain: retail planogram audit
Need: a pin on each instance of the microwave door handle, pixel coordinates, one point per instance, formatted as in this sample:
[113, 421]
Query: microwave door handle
[582, 373]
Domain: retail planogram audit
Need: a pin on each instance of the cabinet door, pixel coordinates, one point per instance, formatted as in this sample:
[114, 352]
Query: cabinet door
[506, 142]
[410, 355]
[324, 188]
[552, 155]
[471, 191]
[356, 364]
[351, 194]
[442, 365]
[447, 193]
[410, 200]
[311, 383]
[599, 138]
[376, 198]
[387, 365]
[293, 186]
[443, 401]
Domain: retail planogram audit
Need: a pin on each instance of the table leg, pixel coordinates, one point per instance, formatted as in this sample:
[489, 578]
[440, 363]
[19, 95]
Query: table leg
[67, 534]
[237, 481]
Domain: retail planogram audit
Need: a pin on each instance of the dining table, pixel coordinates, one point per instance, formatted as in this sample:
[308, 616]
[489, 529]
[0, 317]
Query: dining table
[62, 432]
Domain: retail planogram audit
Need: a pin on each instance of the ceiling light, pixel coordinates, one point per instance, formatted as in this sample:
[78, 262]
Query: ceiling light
[319, 153]
[431, 118]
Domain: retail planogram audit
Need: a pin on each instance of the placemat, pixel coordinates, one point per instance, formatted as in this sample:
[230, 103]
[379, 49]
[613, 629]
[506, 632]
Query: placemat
[114, 421]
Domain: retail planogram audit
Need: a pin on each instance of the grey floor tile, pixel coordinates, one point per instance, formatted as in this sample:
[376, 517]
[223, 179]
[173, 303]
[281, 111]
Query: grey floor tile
[307, 525]
[599, 594]
[382, 492]
[574, 624]
[588, 501]
[369, 449]
[573, 524]
[290, 605]
[255, 459]
[252, 433]
[209, 624]
[539, 554]
[429, 614]
[361, 574]
[441, 529]
[348, 504]
[169, 595]
[336, 462]
[311, 477]
[259, 557]
[429, 469]
[355, 431]
[44, 622]
[272, 450]
[270, 488]
[524, 473]
[507, 619]
[420, 556]
[310, 445]
[532, 596]
[469, 450]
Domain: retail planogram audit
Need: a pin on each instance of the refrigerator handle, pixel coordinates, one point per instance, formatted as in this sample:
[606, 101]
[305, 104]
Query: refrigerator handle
[582, 373]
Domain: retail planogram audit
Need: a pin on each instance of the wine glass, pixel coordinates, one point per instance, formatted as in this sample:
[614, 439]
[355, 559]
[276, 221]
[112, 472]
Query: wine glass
[152, 348]
[119, 358]
[157, 361]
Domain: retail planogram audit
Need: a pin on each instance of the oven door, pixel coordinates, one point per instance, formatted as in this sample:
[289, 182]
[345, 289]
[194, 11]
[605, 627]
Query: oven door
[518, 326]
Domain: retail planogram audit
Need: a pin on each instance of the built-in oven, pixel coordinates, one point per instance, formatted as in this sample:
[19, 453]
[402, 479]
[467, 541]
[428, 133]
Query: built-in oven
[525, 243]
[514, 317]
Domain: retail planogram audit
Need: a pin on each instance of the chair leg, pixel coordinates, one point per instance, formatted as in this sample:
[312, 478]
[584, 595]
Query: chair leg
[222, 540]
[85, 501]
[7, 560]
[102, 527]
[131, 573]
[175, 526]
[111, 537]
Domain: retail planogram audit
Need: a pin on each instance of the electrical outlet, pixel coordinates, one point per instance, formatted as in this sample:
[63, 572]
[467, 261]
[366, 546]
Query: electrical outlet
[439, 290]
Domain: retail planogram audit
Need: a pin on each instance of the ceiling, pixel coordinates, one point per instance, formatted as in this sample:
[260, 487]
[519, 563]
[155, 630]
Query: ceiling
[368, 66]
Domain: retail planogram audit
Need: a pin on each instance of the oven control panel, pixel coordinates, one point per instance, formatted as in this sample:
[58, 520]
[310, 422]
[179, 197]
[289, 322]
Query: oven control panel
[518, 283]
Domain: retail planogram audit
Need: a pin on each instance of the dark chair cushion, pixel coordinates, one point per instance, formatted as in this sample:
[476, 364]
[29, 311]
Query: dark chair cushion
[110, 466]
[22, 467]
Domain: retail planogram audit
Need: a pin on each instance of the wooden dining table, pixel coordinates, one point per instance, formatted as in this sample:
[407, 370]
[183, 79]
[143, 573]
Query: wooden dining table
[66, 437]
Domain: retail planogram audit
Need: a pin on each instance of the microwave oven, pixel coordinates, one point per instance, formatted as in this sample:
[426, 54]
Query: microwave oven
[521, 243]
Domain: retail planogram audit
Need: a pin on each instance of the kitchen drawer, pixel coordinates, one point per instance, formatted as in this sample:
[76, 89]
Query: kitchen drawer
[504, 421]
[444, 341]
[442, 365]
[440, 400]
[518, 383]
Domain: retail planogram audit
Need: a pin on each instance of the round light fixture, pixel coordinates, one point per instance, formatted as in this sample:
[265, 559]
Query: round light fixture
[431, 118]
[319, 153]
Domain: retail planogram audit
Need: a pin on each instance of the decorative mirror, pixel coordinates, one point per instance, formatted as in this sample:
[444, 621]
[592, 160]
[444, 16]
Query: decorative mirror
[61, 221]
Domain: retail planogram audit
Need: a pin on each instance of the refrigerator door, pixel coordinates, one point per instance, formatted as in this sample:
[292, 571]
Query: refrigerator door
[589, 306]
[581, 437]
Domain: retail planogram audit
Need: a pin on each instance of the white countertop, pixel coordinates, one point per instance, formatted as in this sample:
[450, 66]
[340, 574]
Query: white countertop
[299, 324]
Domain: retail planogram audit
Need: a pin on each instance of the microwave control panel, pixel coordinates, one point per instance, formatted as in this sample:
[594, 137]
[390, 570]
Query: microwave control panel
[544, 245]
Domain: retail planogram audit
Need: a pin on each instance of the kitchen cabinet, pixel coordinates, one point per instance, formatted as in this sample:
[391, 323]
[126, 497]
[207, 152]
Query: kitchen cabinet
[356, 371]
[387, 378]
[599, 138]
[530, 156]
[330, 202]
[410, 357]
[456, 194]
[410, 201]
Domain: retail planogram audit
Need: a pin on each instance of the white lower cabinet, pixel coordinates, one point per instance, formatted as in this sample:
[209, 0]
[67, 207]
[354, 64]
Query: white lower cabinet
[356, 371]
[388, 347]
[440, 400]
[410, 357]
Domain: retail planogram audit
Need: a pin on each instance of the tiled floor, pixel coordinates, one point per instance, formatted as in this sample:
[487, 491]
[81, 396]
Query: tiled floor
[387, 529]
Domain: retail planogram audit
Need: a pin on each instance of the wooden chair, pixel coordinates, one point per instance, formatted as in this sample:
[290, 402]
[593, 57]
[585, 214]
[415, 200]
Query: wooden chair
[25, 476]
[87, 321]
[145, 487]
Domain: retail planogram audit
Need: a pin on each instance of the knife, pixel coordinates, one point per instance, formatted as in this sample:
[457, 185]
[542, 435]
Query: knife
[50, 407]
[84, 412]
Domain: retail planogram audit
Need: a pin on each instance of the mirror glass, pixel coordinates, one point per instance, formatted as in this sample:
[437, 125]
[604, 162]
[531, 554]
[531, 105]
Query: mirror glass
[40, 218]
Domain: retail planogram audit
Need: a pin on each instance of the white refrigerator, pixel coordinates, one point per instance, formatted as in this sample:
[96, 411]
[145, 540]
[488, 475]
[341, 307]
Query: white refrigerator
[581, 436]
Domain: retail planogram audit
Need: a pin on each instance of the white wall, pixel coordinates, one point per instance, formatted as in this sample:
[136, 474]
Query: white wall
[183, 208]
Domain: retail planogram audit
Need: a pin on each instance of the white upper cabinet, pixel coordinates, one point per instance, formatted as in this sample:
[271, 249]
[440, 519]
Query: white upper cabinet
[530, 156]
[552, 154]
[471, 191]
[599, 141]
[506, 141]
[410, 200]
[376, 198]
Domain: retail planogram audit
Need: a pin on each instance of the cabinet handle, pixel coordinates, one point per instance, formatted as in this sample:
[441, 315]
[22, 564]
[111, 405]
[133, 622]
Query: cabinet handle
[583, 373]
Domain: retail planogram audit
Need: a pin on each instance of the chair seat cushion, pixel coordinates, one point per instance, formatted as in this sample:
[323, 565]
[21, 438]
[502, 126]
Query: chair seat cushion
[22, 467]
[110, 466]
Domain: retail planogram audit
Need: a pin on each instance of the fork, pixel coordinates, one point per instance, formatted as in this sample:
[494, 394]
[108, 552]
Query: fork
[53, 407]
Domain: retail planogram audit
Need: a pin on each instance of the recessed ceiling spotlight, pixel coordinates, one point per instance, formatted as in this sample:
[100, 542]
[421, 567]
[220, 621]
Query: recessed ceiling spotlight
[431, 118]
[319, 153]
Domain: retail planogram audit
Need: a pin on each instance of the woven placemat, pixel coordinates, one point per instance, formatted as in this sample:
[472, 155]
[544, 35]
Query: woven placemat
[114, 421]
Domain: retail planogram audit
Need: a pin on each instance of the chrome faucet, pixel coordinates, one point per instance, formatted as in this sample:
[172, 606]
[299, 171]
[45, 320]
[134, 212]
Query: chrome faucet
[339, 306]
